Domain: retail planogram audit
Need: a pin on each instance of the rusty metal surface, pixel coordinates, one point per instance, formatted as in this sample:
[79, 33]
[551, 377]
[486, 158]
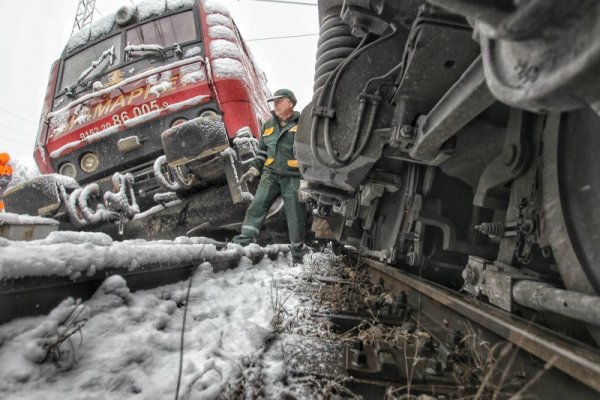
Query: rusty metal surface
[575, 359]
[543, 296]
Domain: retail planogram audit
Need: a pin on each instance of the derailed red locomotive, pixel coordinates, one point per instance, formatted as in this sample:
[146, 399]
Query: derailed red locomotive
[162, 97]
[454, 137]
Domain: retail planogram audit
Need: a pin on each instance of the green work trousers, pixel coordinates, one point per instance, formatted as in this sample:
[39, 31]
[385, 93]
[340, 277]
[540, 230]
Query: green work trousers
[271, 186]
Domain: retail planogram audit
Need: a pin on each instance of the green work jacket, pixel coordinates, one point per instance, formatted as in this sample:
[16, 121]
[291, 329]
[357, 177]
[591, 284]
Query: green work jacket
[276, 147]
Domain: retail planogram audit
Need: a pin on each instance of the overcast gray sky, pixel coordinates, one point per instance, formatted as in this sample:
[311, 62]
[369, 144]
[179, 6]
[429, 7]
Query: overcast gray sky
[33, 34]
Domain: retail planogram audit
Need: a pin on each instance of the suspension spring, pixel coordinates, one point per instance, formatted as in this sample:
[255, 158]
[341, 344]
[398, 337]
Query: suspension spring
[491, 229]
[335, 44]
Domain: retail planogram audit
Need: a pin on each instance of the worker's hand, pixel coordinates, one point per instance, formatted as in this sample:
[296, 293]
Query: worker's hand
[249, 175]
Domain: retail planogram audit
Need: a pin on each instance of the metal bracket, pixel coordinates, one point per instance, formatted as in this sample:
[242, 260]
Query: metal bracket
[325, 112]
[466, 99]
[495, 281]
[236, 189]
[363, 21]
[511, 163]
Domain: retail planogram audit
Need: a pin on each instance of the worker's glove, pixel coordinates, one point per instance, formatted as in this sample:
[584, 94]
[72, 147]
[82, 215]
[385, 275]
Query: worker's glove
[249, 175]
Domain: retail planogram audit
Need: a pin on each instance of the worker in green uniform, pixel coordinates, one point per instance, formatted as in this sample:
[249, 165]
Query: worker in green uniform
[280, 175]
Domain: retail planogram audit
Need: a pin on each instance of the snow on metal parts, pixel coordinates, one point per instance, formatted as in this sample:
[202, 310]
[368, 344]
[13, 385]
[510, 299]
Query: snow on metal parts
[75, 253]
[129, 123]
[124, 82]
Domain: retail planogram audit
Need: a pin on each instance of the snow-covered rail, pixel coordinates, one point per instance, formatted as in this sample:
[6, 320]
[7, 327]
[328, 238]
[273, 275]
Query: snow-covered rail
[35, 276]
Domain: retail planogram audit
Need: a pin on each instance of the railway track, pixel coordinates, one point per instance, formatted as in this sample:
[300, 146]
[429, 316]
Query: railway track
[37, 276]
[444, 344]
[514, 357]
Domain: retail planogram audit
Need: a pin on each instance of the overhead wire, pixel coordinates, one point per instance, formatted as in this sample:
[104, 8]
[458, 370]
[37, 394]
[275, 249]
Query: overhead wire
[16, 141]
[14, 129]
[291, 2]
[300, 3]
[13, 105]
[131, 1]
[2, 109]
[282, 37]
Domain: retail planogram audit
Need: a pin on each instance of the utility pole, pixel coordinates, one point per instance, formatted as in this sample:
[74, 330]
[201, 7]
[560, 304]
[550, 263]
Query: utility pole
[84, 15]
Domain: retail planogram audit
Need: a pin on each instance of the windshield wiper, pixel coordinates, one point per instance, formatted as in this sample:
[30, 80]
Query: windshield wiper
[153, 48]
[110, 53]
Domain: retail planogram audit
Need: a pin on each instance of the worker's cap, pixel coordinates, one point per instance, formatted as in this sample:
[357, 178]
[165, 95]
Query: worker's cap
[4, 158]
[284, 93]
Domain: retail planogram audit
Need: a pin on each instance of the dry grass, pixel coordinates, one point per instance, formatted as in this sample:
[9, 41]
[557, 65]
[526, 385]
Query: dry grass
[281, 316]
[481, 370]
[403, 393]
[491, 370]
[329, 389]
[250, 383]
[354, 288]
[62, 348]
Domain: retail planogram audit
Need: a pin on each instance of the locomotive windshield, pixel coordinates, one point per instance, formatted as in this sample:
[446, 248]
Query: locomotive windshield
[76, 65]
[165, 32]
[155, 36]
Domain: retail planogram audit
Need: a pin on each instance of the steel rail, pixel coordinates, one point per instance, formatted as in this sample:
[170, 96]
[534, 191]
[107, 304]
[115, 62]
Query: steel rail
[143, 265]
[578, 360]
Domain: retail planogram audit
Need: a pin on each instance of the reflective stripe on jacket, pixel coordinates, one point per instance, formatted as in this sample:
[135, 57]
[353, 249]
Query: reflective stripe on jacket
[276, 147]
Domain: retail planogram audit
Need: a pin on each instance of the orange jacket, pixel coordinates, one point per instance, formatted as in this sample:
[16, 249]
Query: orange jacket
[4, 158]
[6, 170]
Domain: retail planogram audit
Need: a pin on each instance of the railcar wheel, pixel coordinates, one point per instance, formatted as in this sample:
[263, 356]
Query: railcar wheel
[571, 194]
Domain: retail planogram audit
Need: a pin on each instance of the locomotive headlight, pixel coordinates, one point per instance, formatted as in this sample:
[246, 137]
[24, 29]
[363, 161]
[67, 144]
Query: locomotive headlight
[179, 121]
[68, 169]
[209, 114]
[89, 163]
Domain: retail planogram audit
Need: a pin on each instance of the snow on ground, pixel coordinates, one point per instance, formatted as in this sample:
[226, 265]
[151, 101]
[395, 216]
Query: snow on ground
[126, 345]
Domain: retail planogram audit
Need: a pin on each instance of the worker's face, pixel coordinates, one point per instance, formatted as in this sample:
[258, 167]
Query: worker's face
[283, 107]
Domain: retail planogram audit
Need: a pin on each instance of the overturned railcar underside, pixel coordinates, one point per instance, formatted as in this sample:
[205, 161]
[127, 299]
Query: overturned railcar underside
[459, 138]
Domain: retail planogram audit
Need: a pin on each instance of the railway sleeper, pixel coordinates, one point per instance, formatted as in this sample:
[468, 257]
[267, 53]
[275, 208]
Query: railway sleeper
[458, 336]
[443, 344]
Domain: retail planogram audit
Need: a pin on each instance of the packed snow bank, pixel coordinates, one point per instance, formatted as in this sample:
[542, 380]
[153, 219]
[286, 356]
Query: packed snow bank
[127, 345]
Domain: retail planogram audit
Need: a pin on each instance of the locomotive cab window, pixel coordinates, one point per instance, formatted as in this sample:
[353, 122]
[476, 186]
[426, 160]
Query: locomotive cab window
[161, 33]
[84, 66]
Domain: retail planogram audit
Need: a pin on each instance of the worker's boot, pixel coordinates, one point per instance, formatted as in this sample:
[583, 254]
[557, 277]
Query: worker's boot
[298, 252]
[297, 260]
[242, 240]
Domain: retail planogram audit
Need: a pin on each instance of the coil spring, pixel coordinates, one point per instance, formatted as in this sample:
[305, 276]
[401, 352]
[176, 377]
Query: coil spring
[335, 45]
[493, 229]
